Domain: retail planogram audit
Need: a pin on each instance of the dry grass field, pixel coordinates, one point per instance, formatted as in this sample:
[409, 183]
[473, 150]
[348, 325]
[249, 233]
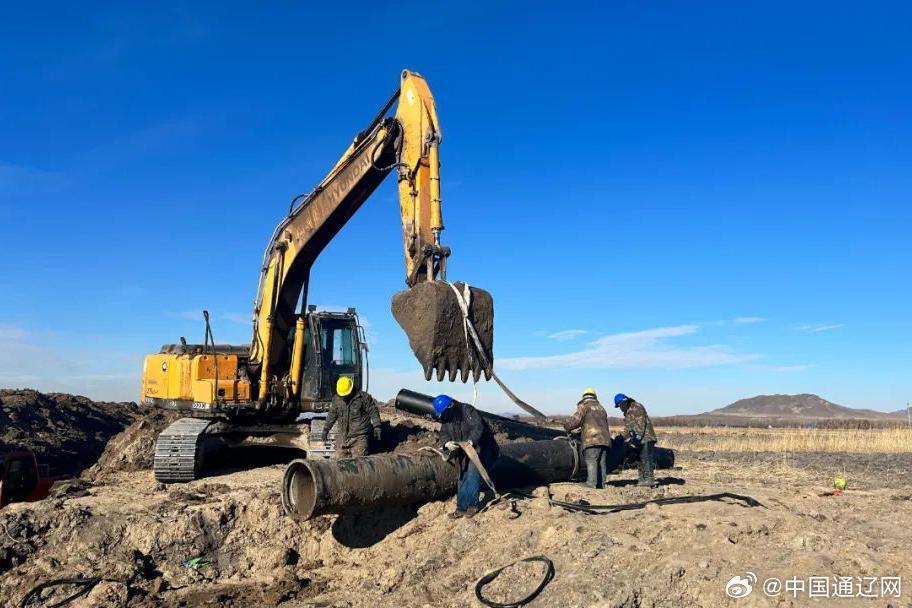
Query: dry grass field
[726, 439]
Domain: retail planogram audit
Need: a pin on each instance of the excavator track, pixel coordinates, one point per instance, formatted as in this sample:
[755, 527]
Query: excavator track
[178, 456]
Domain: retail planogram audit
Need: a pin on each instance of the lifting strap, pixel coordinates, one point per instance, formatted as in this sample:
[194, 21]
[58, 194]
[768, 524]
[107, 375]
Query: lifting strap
[464, 300]
[469, 450]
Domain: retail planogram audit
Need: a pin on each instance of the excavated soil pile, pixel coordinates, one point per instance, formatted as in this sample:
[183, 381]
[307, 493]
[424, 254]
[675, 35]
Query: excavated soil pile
[145, 541]
[134, 448]
[67, 432]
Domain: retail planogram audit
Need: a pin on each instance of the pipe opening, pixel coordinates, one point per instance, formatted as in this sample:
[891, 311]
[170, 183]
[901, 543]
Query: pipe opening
[299, 490]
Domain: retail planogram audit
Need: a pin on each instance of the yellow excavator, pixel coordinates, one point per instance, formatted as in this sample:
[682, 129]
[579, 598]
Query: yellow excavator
[297, 353]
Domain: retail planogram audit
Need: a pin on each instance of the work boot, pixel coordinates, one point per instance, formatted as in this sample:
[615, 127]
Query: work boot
[647, 483]
[471, 512]
[456, 514]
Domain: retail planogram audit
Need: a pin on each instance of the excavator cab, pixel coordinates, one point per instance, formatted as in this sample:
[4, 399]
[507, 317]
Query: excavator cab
[333, 346]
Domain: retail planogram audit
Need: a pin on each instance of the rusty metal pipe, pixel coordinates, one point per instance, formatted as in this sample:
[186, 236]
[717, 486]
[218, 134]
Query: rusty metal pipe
[318, 487]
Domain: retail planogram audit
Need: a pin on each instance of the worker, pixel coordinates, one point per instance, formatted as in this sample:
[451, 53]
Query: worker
[639, 436]
[461, 423]
[592, 419]
[357, 414]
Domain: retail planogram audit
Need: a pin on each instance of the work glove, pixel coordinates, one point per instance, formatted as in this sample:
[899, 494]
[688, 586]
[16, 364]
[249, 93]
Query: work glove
[378, 433]
[451, 446]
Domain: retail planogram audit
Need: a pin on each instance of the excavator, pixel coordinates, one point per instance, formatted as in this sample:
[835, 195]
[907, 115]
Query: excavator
[296, 355]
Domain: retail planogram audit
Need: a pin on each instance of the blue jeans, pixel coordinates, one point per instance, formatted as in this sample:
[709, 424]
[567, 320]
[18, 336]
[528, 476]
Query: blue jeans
[468, 489]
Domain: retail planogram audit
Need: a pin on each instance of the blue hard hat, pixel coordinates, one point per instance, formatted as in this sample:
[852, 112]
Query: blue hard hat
[619, 399]
[441, 402]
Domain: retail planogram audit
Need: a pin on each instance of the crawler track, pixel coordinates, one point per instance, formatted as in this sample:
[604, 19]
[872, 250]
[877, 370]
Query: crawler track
[178, 456]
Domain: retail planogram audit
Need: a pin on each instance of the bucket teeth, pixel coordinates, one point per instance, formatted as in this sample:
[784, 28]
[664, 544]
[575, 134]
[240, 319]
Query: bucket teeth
[430, 315]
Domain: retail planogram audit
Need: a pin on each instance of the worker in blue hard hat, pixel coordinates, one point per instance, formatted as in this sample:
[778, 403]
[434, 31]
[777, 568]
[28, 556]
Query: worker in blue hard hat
[462, 424]
[639, 436]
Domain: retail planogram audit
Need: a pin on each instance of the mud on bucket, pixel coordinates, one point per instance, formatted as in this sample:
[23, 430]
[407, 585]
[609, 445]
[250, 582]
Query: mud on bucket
[430, 315]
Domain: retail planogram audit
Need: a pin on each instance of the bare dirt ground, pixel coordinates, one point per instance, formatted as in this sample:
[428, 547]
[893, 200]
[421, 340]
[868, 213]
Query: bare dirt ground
[137, 535]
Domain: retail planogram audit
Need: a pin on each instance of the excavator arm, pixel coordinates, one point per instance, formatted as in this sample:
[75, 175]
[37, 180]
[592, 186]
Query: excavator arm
[429, 310]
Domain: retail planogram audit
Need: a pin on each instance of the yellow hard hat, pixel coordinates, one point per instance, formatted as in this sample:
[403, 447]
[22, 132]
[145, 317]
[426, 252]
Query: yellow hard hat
[589, 391]
[344, 386]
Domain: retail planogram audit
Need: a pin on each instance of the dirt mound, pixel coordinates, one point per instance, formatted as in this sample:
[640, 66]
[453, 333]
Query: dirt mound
[143, 539]
[139, 539]
[134, 448]
[67, 432]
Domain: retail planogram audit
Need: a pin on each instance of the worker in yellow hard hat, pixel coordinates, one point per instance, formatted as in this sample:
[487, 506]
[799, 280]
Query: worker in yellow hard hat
[356, 416]
[592, 419]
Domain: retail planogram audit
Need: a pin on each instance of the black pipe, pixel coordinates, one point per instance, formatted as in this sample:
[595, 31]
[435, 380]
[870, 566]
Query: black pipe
[317, 487]
[619, 455]
[423, 405]
[415, 403]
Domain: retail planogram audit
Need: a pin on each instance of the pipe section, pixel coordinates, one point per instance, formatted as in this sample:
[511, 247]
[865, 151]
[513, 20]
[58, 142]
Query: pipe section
[318, 487]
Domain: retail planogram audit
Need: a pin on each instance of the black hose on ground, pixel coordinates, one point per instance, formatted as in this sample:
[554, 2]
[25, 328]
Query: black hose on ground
[487, 578]
[740, 500]
[87, 585]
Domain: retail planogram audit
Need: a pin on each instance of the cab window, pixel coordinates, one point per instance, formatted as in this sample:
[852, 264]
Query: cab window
[338, 344]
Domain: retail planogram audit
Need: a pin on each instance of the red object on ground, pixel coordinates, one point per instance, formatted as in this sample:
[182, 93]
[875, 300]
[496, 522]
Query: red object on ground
[22, 480]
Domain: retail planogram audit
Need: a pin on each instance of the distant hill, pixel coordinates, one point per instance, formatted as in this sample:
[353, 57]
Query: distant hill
[796, 407]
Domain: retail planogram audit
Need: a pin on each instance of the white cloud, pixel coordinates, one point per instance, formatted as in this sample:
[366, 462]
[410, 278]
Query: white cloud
[567, 334]
[819, 327]
[37, 360]
[787, 369]
[11, 333]
[748, 320]
[242, 318]
[187, 315]
[17, 178]
[642, 349]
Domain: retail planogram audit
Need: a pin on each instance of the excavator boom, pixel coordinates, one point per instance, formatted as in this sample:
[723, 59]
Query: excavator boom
[429, 311]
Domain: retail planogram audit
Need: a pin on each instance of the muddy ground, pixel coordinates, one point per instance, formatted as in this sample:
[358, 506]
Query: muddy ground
[124, 527]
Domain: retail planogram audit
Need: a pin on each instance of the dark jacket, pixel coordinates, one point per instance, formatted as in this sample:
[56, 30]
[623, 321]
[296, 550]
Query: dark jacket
[592, 418]
[357, 415]
[637, 422]
[462, 422]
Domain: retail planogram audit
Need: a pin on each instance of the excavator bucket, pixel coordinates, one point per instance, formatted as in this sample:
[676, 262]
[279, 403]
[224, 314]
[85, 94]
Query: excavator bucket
[431, 316]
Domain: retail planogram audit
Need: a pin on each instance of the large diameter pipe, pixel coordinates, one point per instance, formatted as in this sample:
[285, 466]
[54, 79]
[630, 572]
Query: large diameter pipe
[418, 403]
[423, 405]
[318, 487]
[415, 403]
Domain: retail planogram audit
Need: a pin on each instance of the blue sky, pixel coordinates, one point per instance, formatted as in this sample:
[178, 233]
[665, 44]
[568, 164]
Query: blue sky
[688, 203]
